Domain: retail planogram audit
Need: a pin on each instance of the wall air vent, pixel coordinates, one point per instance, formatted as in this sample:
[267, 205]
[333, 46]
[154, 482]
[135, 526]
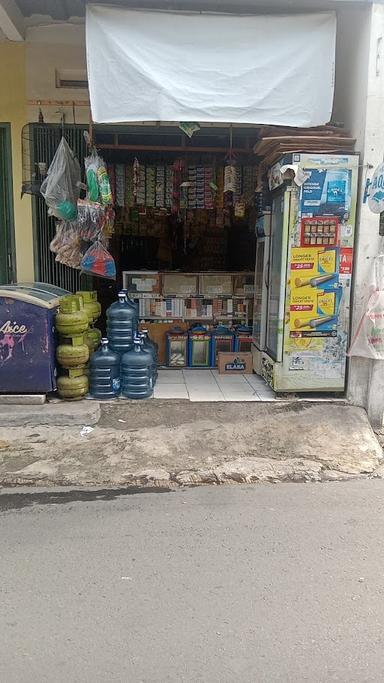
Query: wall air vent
[72, 79]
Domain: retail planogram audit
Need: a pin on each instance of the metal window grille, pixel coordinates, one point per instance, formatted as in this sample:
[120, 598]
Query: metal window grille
[43, 140]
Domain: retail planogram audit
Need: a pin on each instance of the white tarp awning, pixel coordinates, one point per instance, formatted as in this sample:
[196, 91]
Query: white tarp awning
[165, 66]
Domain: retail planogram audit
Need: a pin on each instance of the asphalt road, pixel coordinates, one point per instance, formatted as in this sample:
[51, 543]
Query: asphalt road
[215, 585]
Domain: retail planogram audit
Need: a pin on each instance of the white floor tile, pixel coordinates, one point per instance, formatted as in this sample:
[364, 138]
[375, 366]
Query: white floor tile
[200, 384]
[267, 391]
[230, 392]
[241, 397]
[171, 391]
[201, 396]
[254, 378]
[236, 389]
[170, 377]
[236, 382]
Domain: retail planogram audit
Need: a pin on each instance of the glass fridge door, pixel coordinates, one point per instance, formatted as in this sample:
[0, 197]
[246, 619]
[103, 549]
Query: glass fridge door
[257, 301]
[277, 264]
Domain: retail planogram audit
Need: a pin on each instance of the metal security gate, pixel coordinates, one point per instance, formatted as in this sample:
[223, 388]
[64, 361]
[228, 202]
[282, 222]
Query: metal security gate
[39, 146]
[7, 238]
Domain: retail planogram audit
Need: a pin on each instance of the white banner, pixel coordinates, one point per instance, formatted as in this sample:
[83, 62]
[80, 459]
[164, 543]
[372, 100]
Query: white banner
[165, 66]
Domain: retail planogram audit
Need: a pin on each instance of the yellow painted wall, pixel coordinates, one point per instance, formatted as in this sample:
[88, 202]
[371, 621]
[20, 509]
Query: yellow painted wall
[13, 111]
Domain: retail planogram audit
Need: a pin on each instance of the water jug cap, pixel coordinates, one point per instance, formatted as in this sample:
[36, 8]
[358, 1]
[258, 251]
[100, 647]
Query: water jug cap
[122, 296]
[104, 341]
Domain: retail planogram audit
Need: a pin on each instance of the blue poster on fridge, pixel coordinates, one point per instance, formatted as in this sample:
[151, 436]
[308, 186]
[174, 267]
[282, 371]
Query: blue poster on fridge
[327, 192]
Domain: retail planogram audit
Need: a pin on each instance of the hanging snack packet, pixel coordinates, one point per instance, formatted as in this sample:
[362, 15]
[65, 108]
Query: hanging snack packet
[92, 164]
[104, 184]
[98, 261]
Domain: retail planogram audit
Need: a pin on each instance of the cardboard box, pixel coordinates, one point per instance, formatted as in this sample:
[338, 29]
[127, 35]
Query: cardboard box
[180, 284]
[142, 281]
[216, 284]
[236, 363]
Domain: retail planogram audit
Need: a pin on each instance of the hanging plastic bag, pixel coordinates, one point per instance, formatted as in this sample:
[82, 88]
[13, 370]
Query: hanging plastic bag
[98, 261]
[104, 184]
[67, 244]
[61, 187]
[368, 341]
[98, 185]
[91, 164]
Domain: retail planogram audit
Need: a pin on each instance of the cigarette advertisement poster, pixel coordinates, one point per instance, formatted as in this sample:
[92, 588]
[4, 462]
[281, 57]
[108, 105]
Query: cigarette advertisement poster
[327, 192]
[315, 292]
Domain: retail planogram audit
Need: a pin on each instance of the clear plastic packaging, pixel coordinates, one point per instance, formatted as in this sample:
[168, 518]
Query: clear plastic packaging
[98, 261]
[368, 341]
[67, 244]
[61, 187]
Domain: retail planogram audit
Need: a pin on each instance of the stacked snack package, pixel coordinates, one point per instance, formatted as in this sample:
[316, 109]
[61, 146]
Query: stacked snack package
[139, 172]
[150, 186]
[129, 198]
[168, 186]
[67, 244]
[112, 181]
[238, 179]
[192, 187]
[160, 186]
[208, 194]
[120, 184]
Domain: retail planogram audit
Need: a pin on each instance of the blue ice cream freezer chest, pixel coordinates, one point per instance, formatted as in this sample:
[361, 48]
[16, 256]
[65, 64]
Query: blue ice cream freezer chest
[27, 338]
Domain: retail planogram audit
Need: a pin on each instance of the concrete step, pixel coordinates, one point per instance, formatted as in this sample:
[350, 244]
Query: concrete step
[22, 399]
[61, 413]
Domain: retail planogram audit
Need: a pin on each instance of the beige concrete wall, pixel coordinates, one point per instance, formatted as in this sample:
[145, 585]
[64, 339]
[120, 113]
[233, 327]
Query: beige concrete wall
[49, 50]
[13, 111]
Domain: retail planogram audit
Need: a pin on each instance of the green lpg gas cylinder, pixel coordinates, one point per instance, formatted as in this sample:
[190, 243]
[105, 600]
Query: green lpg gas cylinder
[92, 338]
[72, 356]
[71, 318]
[72, 388]
[91, 305]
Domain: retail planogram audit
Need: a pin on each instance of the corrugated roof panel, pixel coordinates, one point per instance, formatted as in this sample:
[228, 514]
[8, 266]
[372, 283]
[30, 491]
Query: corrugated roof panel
[57, 9]
[62, 10]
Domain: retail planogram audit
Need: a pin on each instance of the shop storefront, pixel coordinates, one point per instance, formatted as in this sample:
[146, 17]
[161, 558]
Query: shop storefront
[243, 229]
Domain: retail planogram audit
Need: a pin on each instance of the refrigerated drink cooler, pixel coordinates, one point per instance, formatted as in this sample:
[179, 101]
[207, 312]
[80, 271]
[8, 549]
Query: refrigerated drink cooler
[303, 286]
[263, 231]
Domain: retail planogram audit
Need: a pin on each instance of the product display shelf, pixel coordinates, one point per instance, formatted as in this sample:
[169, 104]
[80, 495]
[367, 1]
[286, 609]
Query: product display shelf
[177, 284]
[239, 316]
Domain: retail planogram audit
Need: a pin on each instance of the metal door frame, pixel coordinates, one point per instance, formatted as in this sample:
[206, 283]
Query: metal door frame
[6, 197]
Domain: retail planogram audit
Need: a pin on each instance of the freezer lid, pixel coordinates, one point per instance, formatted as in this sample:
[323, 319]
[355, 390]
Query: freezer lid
[44, 287]
[30, 296]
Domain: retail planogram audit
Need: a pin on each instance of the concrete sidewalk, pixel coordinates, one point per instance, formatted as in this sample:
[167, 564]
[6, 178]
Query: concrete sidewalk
[176, 443]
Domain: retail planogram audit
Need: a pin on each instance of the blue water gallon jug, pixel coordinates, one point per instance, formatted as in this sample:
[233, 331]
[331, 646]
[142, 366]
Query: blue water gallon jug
[134, 303]
[121, 324]
[137, 372]
[152, 348]
[104, 373]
